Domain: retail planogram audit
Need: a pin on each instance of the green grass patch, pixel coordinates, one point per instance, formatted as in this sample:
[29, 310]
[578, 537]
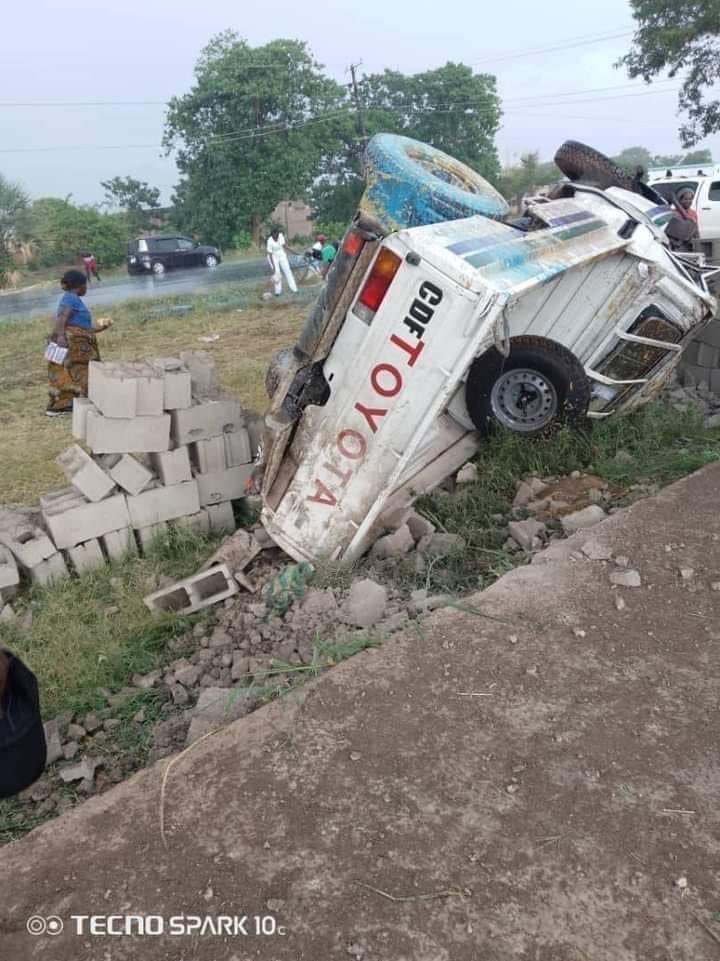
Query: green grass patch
[95, 632]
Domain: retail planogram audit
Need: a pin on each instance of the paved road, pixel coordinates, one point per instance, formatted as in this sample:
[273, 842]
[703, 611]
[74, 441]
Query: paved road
[43, 300]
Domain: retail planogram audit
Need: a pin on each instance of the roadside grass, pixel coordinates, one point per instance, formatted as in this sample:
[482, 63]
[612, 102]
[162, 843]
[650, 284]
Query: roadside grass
[95, 632]
[248, 332]
[659, 445]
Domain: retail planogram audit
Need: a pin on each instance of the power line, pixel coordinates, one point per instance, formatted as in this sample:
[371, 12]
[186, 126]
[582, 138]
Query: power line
[581, 41]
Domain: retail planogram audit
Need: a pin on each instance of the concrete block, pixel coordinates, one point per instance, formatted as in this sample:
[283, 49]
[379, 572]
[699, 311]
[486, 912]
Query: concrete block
[119, 544]
[707, 355]
[209, 455]
[227, 485]
[237, 448]
[87, 477]
[221, 518]
[173, 466]
[206, 420]
[112, 390]
[29, 545]
[127, 472]
[710, 334]
[67, 496]
[202, 372]
[49, 571]
[199, 523]
[147, 536]
[109, 435]
[86, 557]
[74, 525]
[163, 504]
[9, 576]
[177, 381]
[81, 405]
[690, 353]
[714, 381]
[194, 593]
[150, 389]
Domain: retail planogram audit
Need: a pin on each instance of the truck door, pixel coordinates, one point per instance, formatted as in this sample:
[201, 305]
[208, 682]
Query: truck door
[708, 208]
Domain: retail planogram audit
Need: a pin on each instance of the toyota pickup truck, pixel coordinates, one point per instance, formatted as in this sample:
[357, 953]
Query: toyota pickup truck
[442, 321]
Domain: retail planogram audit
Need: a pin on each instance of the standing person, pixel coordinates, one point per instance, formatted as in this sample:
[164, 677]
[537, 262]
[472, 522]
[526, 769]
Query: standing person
[279, 263]
[327, 255]
[73, 330]
[682, 230]
[318, 246]
[90, 265]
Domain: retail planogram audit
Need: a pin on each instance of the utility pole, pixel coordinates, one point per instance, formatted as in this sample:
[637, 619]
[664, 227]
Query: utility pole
[356, 95]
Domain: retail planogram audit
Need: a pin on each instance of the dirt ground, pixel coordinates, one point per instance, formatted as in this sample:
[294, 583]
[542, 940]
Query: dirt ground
[534, 776]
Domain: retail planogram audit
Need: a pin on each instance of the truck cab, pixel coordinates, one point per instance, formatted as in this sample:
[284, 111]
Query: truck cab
[706, 203]
[429, 337]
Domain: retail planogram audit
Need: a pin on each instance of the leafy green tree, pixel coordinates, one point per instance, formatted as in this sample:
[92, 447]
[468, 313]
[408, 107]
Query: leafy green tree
[136, 197]
[681, 37]
[252, 131]
[61, 231]
[529, 175]
[14, 203]
[698, 157]
[633, 157]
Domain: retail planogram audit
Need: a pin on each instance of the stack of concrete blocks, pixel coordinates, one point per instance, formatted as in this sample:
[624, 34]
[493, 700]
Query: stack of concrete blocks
[700, 364]
[166, 449]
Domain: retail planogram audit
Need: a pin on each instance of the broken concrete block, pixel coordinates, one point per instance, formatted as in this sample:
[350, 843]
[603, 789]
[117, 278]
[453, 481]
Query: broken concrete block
[49, 571]
[419, 526]
[595, 550]
[177, 381]
[119, 544]
[579, 520]
[127, 472]
[208, 419]
[52, 742]
[76, 524]
[221, 518]
[202, 372]
[194, 593]
[528, 490]
[320, 602]
[217, 706]
[83, 771]
[109, 435]
[393, 545]
[163, 504]
[440, 545]
[173, 466]
[86, 557]
[200, 522]
[224, 485]
[365, 604]
[625, 579]
[81, 405]
[529, 534]
[87, 477]
[9, 575]
[236, 552]
[467, 474]
[29, 545]
[237, 448]
[147, 536]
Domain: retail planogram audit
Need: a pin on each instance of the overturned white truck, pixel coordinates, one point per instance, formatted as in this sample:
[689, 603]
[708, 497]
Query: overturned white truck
[440, 321]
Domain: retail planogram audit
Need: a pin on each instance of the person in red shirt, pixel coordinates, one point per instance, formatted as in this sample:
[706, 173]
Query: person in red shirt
[90, 265]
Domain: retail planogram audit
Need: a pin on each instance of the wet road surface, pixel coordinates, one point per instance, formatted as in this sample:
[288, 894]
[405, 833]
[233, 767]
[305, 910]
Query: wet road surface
[43, 300]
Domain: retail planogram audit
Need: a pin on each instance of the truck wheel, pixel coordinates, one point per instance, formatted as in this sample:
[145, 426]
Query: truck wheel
[580, 162]
[541, 386]
[411, 184]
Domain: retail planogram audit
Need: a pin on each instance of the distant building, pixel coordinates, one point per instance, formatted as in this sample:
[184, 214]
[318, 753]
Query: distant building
[294, 217]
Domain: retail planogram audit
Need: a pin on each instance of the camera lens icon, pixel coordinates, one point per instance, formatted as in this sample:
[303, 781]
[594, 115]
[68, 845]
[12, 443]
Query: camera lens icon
[37, 925]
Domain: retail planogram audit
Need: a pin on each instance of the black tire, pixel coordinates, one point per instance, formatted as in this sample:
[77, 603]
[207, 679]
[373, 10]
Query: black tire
[582, 163]
[539, 388]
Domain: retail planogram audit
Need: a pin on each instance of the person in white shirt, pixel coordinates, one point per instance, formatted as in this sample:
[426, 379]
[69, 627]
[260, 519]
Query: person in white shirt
[279, 263]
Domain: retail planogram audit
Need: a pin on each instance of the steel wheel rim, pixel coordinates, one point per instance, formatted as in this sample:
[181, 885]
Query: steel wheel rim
[211, 261]
[158, 268]
[524, 400]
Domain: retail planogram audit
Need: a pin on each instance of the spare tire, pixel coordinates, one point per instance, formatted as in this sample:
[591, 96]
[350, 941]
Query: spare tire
[582, 163]
[538, 388]
[411, 184]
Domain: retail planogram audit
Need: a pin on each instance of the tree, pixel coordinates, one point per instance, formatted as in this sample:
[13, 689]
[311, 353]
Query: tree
[528, 176]
[699, 157]
[633, 157]
[252, 131]
[681, 36]
[14, 204]
[450, 108]
[61, 231]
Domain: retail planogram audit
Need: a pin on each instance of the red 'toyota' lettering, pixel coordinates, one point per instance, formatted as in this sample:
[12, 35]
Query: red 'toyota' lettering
[394, 373]
[413, 350]
[356, 435]
[322, 495]
[370, 413]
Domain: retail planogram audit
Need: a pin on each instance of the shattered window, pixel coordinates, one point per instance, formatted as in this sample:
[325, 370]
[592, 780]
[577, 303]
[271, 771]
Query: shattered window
[633, 361]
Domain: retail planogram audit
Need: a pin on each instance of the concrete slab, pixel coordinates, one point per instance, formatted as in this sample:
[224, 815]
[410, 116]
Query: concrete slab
[389, 811]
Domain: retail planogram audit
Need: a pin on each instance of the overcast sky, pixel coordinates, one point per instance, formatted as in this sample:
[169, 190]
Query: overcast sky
[84, 50]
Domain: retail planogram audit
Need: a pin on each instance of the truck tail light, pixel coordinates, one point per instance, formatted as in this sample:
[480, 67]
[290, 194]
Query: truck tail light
[376, 286]
[353, 243]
